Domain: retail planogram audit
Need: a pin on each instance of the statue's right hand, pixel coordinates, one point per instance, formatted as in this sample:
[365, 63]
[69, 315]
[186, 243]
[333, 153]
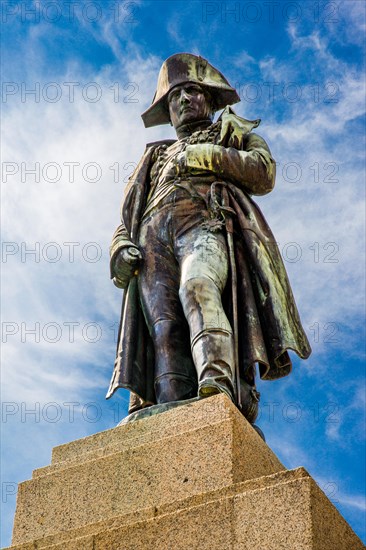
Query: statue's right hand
[130, 254]
[126, 262]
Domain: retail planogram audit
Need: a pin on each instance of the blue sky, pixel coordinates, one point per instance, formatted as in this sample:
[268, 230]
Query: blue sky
[299, 67]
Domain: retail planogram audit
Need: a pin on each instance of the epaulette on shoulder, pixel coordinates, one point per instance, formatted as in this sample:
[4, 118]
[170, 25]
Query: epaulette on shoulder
[161, 142]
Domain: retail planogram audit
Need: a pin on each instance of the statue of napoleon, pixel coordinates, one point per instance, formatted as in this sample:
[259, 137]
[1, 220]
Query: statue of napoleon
[206, 294]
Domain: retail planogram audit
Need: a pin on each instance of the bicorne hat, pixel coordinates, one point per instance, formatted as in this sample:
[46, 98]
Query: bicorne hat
[179, 69]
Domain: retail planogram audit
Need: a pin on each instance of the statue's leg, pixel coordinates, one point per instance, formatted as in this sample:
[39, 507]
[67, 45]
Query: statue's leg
[204, 270]
[175, 375]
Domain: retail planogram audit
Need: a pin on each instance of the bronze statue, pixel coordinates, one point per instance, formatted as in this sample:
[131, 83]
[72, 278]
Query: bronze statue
[206, 292]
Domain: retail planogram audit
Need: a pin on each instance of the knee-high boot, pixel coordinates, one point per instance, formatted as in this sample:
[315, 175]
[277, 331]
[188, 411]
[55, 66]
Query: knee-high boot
[212, 342]
[213, 356]
[175, 377]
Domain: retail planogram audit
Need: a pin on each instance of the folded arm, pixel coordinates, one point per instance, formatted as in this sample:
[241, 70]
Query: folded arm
[252, 168]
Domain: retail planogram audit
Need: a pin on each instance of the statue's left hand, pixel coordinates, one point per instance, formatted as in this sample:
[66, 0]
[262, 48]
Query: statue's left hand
[233, 130]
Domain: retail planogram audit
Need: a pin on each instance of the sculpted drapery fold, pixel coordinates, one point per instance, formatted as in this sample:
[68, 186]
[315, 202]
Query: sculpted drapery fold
[220, 165]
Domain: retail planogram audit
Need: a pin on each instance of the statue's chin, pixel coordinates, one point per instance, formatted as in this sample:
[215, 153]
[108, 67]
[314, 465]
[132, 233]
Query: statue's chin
[187, 118]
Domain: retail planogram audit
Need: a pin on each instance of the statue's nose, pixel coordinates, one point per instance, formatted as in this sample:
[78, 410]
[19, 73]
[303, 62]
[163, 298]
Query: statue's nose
[184, 97]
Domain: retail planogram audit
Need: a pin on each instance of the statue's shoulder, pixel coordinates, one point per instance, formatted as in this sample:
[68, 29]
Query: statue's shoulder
[154, 144]
[153, 148]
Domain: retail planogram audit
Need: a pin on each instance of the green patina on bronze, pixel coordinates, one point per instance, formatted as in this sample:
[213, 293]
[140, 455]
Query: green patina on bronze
[207, 297]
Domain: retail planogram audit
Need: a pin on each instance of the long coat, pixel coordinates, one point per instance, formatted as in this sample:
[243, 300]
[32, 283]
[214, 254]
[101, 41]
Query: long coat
[268, 319]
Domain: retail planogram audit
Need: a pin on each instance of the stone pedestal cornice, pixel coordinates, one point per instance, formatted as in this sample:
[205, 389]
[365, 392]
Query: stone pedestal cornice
[197, 476]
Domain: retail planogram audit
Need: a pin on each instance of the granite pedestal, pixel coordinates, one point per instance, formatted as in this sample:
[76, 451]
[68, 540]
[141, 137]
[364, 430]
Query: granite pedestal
[194, 477]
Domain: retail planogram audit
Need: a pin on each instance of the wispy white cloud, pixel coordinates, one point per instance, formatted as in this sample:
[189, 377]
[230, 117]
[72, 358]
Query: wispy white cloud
[110, 133]
[303, 212]
[352, 16]
[323, 210]
[335, 491]
[106, 133]
[353, 501]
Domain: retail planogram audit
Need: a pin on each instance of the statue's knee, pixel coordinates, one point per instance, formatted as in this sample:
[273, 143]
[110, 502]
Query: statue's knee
[197, 289]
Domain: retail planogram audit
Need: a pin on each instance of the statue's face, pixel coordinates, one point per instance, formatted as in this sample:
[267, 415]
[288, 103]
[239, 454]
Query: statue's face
[188, 103]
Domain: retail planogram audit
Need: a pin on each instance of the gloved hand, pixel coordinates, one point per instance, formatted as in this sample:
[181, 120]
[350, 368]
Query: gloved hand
[125, 264]
[234, 129]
